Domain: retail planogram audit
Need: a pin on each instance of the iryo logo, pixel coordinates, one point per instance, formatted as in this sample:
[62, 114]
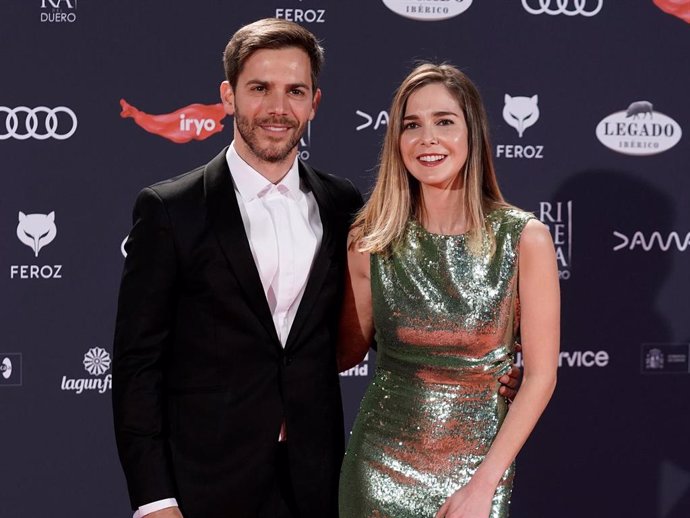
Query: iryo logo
[679, 8]
[193, 122]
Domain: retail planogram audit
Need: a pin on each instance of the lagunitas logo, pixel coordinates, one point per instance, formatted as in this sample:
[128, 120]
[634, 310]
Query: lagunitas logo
[558, 217]
[58, 11]
[193, 122]
[520, 112]
[96, 362]
[372, 121]
[639, 130]
[358, 370]
[428, 10]
[36, 231]
[679, 8]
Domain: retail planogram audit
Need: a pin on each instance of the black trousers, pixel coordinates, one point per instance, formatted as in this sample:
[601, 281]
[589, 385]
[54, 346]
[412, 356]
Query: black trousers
[280, 500]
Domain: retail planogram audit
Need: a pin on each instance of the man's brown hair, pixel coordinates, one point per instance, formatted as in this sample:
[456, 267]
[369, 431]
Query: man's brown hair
[270, 33]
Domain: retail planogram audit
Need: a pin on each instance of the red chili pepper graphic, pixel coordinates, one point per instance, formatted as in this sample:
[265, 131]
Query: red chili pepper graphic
[193, 122]
[679, 8]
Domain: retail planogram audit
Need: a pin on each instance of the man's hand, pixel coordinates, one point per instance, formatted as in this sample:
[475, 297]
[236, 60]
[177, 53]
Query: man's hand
[168, 512]
[510, 383]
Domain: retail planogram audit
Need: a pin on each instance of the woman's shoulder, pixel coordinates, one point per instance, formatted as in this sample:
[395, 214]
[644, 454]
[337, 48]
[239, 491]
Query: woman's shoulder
[510, 219]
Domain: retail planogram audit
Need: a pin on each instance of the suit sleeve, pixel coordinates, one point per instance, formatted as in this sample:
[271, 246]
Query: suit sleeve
[143, 331]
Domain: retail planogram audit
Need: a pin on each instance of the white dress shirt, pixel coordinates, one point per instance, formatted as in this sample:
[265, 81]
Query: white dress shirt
[284, 230]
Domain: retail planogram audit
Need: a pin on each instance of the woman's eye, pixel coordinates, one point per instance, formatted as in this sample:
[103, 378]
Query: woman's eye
[410, 125]
[445, 122]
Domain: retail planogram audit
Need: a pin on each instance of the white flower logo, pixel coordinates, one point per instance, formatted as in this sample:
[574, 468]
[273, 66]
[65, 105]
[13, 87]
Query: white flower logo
[96, 361]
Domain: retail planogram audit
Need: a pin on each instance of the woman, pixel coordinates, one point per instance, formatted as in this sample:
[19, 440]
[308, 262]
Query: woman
[442, 270]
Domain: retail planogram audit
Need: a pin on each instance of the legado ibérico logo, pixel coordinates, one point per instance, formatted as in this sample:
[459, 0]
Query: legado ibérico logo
[639, 130]
[193, 122]
[679, 8]
[428, 10]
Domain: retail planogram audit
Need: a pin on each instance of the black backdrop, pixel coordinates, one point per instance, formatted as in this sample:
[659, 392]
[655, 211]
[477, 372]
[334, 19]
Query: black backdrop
[613, 188]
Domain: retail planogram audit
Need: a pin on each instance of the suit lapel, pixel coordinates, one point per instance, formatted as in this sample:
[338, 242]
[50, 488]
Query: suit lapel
[324, 255]
[226, 222]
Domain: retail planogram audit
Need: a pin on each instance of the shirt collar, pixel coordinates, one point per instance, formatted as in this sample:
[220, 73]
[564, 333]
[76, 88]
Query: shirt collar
[250, 183]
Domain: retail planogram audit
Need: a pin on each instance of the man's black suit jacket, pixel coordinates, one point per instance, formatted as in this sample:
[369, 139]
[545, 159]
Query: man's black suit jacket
[201, 382]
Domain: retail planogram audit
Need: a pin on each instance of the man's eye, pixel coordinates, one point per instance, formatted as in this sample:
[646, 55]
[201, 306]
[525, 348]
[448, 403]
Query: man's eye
[297, 91]
[258, 88]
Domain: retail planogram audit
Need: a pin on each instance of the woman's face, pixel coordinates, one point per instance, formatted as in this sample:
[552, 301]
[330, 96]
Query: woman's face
[433, 141]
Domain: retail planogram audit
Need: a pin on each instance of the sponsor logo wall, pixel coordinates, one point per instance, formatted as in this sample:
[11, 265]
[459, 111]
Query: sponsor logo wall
[588, 107]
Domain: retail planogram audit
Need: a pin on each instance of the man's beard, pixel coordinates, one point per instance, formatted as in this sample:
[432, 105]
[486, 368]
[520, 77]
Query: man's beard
[272, 152]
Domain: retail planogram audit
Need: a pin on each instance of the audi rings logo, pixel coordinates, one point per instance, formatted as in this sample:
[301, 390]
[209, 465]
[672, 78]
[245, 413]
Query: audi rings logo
[41, 123]
[566, 7]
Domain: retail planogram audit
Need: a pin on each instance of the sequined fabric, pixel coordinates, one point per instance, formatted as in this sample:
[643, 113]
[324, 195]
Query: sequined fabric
[445, 320]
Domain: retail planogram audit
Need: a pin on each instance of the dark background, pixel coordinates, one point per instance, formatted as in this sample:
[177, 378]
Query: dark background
[614, 441]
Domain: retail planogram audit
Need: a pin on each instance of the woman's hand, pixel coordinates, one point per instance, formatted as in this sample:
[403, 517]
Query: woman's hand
[471, 501]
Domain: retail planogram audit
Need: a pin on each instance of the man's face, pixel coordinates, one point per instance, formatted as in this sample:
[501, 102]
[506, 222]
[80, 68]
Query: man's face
[272, 104]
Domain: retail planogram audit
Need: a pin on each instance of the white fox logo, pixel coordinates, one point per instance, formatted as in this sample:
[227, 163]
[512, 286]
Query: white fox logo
[36, 230]
[521, 112]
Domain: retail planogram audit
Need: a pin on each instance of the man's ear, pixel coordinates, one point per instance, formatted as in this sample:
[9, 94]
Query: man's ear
[315, 103]
[227, 97]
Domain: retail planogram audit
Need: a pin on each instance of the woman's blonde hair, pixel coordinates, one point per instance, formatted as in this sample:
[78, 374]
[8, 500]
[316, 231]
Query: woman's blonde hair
[396, 196]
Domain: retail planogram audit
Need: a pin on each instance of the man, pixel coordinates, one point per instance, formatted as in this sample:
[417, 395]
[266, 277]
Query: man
[226, 394]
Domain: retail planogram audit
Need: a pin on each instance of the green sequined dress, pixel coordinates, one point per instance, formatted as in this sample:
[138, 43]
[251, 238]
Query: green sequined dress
[445, 320]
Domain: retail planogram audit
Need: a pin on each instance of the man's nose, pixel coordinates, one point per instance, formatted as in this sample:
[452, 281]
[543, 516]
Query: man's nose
[277, 103]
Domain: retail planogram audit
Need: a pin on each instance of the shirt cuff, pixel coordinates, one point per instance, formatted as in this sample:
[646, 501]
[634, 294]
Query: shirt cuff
[154, 506]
